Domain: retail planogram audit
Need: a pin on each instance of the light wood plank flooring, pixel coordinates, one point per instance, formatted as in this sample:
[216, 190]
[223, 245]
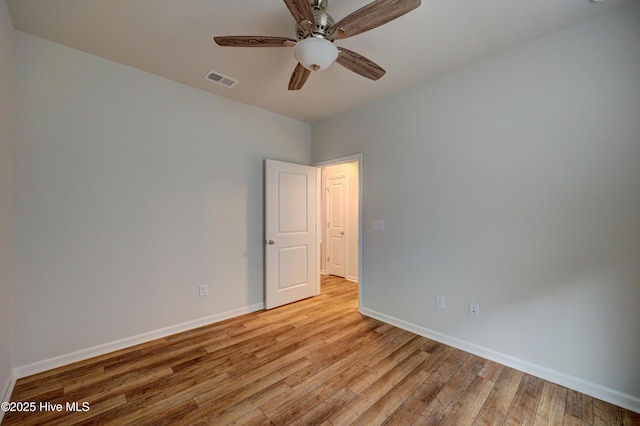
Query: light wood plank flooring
[313, 362]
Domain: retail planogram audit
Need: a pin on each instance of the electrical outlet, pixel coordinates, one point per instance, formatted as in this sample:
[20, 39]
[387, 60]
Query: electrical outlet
[439, 301]
[474, 309]
[203, 290]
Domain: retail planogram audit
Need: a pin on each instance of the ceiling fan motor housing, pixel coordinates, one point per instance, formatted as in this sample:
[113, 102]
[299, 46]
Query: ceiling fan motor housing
[324, 22]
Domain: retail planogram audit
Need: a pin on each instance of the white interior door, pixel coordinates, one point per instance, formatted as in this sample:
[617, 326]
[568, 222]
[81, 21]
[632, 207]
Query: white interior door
[337, 225]
[290, 233]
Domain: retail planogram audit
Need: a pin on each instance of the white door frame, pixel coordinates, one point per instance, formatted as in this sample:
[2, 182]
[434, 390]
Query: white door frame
[341, 160]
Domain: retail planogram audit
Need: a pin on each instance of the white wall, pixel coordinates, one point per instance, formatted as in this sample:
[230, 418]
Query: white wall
[6, 202]
[514, 183]
[130, 192]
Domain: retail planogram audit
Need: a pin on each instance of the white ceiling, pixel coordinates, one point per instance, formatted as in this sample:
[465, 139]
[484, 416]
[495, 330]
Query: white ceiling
[173, 39]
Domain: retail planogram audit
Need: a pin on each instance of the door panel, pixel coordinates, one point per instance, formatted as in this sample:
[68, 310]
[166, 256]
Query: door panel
[292, 263]
[292, 199]
[290, 233]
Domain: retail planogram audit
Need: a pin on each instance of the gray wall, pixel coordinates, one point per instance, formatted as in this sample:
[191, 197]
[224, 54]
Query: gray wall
[6, 201]
[515, 183]
[130, 192]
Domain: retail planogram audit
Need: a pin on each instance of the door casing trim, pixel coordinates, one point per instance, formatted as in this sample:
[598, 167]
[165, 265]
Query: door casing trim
[341, 160]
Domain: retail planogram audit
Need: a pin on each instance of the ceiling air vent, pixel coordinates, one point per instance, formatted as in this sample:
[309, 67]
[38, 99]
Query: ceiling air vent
[220, 79]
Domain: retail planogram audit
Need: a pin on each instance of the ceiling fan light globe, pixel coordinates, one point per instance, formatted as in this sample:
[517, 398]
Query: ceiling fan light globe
[315, 53]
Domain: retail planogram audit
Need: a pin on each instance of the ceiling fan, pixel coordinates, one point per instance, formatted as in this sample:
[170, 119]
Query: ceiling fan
[316, 31]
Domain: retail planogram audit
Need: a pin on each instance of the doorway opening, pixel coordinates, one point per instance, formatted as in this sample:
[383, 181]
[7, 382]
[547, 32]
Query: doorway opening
[340, 218]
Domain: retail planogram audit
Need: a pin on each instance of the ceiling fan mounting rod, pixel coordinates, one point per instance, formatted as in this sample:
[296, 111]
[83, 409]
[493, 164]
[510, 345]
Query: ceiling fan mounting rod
[319, 4]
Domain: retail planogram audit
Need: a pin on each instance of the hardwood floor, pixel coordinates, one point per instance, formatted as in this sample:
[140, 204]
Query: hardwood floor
[313, 362]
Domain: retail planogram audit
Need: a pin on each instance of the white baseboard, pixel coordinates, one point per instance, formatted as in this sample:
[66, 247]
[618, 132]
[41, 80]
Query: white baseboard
[58, 361]
[604, 393]
[7, 390]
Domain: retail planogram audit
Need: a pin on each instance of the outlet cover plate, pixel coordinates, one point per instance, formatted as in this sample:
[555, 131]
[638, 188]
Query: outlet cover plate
[474, 309]
[440, 301]
[203, 290]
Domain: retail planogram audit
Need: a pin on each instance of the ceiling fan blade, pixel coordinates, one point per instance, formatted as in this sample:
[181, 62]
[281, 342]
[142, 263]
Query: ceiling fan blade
[301, 10]
[299, 77]
[254, 41]
[373, 15]
[359, 64]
